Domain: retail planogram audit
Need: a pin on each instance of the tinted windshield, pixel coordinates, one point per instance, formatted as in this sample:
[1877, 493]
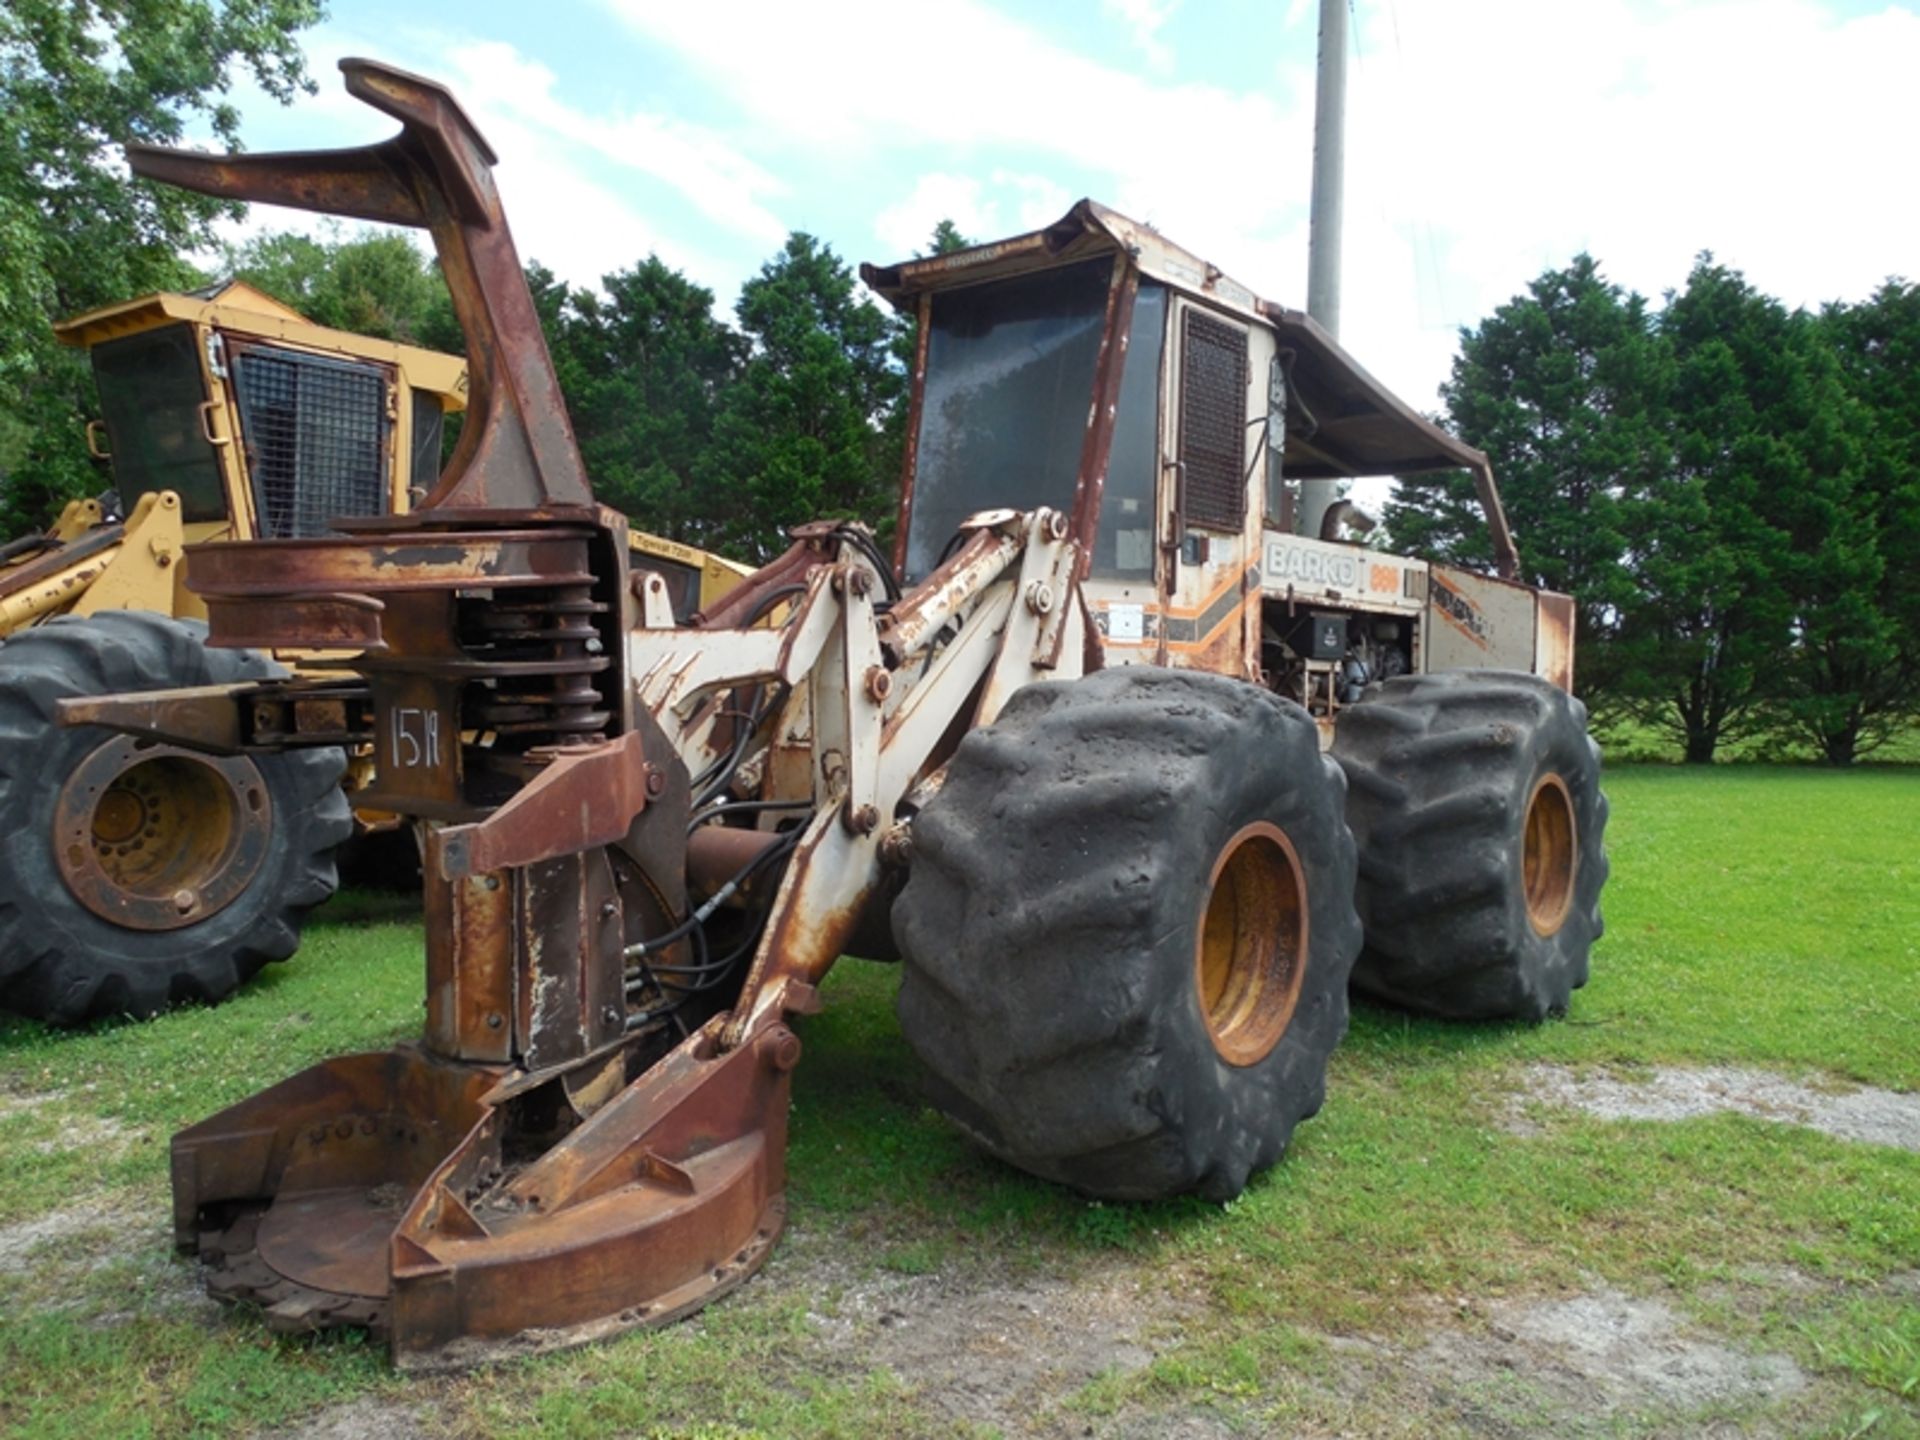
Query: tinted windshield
[151, 391]
[1009, 381]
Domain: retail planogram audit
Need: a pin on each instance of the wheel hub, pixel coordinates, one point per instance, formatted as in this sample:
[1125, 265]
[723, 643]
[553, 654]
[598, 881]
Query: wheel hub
[153, 837]
[1250, 956]
[1549, 855]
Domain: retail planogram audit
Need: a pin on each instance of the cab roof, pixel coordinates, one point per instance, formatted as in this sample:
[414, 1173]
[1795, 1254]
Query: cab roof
[244, 309]
[1343, 422]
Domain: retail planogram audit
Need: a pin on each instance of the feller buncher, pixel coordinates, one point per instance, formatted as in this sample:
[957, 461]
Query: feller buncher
[1132, 771]
[132, 875]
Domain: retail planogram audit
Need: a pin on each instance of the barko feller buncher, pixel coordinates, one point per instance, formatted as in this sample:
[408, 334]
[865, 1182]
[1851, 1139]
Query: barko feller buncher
[1066, 747]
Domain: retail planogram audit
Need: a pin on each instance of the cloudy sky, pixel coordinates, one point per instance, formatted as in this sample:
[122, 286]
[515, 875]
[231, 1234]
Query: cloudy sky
[1488, 139]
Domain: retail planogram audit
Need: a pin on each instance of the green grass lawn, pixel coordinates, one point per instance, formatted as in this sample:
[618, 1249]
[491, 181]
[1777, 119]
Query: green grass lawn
[1762, 918]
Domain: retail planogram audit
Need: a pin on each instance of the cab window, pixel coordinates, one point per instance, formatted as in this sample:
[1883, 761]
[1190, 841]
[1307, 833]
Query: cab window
[151, 394]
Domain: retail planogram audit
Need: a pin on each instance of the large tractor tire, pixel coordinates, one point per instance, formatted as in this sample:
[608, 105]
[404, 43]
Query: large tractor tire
[1127, 932]
[1475, 799]
[134, 875]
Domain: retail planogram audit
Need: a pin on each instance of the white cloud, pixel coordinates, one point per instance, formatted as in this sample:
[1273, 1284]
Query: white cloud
[882, 87]
[1144, 20]
[574, 221]
[708, 173]
[1494, 138]
[1006, 203]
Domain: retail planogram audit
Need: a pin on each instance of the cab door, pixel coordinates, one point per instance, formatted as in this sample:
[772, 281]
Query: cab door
[1212, 518]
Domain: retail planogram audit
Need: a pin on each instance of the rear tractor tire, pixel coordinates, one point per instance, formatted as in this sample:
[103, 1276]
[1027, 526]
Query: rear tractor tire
[1127, 932]
[1475, 799]
[135, 875]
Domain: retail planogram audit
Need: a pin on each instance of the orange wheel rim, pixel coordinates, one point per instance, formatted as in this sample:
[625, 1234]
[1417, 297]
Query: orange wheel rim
[153, 837]
[1549, 855]
[1250, 955]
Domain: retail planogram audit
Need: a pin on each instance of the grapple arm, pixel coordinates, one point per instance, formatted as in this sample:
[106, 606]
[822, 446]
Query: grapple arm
[517, 451]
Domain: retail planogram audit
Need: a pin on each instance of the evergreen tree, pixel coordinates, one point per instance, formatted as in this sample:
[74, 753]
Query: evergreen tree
[1564, 388]
[647, 367]
[1749, 540]
[1856, 677]
[801, 434]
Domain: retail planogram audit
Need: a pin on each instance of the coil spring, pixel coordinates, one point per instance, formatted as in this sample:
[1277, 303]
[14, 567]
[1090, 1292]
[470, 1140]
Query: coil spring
[550, 640]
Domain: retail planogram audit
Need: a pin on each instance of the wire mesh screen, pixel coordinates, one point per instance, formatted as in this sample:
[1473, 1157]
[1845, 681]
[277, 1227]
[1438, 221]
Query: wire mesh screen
[1213, 421]
[316, 434]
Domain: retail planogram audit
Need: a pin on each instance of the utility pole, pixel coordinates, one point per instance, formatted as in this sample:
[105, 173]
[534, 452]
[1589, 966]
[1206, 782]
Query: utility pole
[1323, 221]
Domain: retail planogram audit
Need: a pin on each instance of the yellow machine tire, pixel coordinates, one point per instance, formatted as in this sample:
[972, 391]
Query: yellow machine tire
[134, 876]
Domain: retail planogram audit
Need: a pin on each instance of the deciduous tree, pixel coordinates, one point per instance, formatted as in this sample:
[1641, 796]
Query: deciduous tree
[375, 282]
[78, 80]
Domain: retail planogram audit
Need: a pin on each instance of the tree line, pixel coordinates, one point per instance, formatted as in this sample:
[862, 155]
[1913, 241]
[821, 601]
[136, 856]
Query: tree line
[1729, 489]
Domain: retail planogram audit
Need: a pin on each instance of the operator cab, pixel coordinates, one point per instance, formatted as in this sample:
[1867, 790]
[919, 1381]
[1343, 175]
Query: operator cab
[1190, 430]
[266, 425]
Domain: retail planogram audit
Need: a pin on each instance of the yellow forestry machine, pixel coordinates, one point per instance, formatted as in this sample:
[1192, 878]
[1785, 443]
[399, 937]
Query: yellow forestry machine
[133, 875]
[1130, 774]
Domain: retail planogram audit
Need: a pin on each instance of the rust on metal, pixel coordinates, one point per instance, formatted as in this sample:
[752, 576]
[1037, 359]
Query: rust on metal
[516, 451]
[914, 617]
[1553, 639]
[1549, 855]
[718, 853]
[154, 837]
[587, 797]
[1097, 446]
[761, 590]
[910, 450]
[204, 715]
[401, 1200]
[368, 565]
[1250, 948]
[490, 629]
[470, 960]
[591, 1134]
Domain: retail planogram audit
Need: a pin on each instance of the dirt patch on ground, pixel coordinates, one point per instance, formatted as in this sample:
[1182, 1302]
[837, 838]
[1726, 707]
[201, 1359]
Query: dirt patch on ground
[360, 1419]
[1591, 1363]
[1006, 1352]
[24, 1243]
[981, 1346]
[114, 1262]
[1879, 1117]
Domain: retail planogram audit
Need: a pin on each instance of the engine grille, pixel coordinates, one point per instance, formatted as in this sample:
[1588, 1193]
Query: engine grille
[316, 432]
[1213, 421]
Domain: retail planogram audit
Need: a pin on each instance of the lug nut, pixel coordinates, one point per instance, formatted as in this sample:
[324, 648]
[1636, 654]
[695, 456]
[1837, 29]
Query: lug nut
[184, 901]
[896, 846]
